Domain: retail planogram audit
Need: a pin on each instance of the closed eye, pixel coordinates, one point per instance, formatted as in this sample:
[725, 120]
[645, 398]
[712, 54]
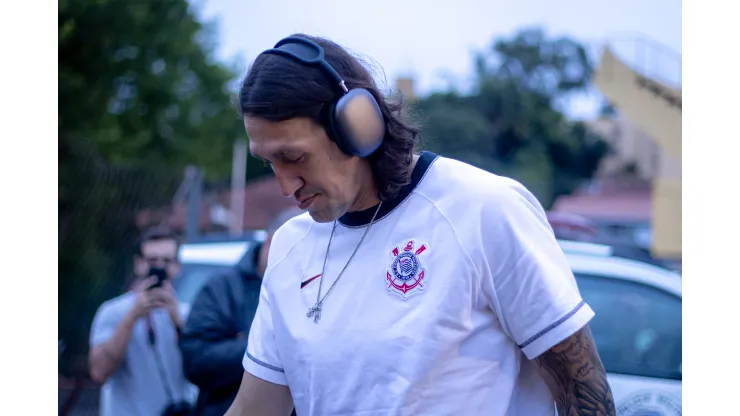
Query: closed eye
[291, 157]
[283, 159]
[299, 159]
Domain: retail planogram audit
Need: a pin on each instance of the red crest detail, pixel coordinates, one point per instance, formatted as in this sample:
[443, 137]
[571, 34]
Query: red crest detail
[406, 274]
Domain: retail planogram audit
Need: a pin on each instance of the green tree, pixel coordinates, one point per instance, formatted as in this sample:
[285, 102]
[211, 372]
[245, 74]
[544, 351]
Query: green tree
[140, 97]
[510, 123]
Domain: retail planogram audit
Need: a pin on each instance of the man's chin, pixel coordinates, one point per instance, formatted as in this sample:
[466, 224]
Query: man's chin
[323, 215]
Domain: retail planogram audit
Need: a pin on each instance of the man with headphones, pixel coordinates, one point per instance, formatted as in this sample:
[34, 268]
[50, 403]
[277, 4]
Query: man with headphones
[415, 284]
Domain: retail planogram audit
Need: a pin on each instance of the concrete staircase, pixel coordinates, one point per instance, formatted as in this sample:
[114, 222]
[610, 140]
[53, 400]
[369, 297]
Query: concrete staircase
[655, 107]
[650, 104]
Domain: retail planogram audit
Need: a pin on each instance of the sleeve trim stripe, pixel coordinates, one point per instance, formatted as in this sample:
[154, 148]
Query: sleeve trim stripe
[264, 364]
[553, 325]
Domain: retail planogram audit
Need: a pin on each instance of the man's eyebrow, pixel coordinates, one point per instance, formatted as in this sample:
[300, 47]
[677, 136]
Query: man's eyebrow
[278, 153]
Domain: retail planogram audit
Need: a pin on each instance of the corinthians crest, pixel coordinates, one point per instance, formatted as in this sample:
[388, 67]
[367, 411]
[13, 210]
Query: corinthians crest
[406, 274]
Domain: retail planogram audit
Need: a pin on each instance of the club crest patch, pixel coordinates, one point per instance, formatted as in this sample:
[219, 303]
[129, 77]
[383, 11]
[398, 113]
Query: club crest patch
[406, 275]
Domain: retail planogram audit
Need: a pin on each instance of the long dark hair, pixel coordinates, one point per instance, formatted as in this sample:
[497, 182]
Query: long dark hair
[278, 89]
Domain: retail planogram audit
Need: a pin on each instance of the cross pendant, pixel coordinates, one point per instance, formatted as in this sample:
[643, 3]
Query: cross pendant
[315, 312]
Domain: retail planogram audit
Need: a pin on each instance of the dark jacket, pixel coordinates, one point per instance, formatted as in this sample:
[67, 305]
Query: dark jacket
[214, 339]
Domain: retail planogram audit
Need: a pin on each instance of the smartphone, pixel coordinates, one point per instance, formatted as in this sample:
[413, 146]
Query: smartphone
[160, 274]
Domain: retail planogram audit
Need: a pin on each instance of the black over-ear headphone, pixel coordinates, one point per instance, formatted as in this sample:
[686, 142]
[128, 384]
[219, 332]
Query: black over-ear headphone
[354, 120]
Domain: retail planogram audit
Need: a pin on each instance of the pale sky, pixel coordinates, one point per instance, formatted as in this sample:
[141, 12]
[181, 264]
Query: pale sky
[432, 39]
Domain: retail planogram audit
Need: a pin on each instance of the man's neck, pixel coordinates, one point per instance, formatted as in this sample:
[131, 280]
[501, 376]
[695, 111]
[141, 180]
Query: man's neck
[368, 195]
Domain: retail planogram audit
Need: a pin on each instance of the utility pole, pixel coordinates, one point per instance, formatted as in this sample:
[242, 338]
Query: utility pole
[194, 186]
[238, 180]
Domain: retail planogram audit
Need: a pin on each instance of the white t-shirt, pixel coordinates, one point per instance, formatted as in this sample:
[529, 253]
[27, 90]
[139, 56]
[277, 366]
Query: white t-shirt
[457, 286]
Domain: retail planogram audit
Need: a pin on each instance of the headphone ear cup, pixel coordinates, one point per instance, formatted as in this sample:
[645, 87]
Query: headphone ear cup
[357, 123]
[333, 131]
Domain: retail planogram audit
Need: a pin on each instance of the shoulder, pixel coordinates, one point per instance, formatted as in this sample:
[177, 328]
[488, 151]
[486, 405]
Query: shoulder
[456, 187]
[115, 308]
[108, 316]
[495, 219]
[228, 284]
[220, 283]
[286, 240]
[120, 303]
[289, 235]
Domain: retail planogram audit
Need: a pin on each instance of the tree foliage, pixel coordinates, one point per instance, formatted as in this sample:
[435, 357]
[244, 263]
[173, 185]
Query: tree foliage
[510, 123]
[139, 99]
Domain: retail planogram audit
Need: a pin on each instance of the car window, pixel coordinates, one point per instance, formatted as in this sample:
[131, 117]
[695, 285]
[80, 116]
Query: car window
[192, 278]
[637, 327]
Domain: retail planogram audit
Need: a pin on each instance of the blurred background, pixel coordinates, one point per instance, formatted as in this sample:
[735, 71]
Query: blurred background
[579, 100]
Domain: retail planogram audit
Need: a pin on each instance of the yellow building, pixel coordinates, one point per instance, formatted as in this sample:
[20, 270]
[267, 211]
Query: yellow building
[633, 153]
[655, 108]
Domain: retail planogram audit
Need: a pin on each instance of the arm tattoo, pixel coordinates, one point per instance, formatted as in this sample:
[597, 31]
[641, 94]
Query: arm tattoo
[576, 377]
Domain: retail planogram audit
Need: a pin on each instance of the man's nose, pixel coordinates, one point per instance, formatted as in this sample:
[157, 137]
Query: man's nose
[289, 183]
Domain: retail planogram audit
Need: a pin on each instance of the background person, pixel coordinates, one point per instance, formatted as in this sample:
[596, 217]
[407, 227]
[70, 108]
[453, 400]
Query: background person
[134, 348]
[215, 335]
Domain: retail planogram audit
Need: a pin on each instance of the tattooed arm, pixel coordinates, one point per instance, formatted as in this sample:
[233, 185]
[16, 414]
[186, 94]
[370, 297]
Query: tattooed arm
[576, 377]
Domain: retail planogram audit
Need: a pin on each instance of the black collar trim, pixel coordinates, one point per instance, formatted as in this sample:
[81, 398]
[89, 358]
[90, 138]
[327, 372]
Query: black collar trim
[362, 218]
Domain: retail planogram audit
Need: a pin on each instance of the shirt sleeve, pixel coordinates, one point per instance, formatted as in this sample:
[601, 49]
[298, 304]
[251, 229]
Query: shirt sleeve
[104, 325]
[528, 281]
[261, 358]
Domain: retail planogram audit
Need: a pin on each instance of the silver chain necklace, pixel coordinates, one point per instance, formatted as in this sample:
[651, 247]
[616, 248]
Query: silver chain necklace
[315, 310]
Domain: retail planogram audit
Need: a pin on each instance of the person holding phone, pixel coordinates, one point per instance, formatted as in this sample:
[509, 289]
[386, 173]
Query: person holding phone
[134, 349]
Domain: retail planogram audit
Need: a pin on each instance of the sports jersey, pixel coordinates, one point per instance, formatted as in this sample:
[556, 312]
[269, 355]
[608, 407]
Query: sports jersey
[457, 286]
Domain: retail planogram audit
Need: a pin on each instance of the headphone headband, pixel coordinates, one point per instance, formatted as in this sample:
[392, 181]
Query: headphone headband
[354, 120]
[308, 53]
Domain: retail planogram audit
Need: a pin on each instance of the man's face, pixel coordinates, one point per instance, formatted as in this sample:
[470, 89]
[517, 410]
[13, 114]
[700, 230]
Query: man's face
[157, 253]
[308, 165]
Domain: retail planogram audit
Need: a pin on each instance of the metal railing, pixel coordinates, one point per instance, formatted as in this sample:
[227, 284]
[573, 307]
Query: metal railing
[644, 55]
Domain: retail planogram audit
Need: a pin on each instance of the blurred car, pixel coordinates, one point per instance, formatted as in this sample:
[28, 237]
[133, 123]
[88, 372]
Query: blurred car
[624, 239]
[571, 226]
[637, 326]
